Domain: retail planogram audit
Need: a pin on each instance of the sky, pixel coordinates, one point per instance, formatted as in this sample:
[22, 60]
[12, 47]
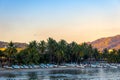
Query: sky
[72, 20]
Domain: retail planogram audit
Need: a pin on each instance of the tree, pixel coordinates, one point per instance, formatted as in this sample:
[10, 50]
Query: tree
[11, 52]
[42, 46]
[33, 53]
[30, 55]
[2, 58]
[105, 54]
[112, 56]
[23, 57]
[51, 49]
[73, 51]
[84, 50]
[61, 50]
[57, 52]
[80, 55]
[118, 55]
[96, 54]
[1, 53]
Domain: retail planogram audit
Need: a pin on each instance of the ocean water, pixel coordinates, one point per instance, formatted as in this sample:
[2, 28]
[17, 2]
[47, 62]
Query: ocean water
[64, 74]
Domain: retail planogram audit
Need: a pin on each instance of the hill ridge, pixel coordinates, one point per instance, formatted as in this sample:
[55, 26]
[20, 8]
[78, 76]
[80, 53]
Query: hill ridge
[112, 42]
[17, 44]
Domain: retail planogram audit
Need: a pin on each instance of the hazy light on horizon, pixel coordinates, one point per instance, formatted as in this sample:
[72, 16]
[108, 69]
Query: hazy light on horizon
[73, 20]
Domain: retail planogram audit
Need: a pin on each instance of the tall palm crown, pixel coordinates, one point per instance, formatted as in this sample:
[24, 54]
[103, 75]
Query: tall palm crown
[11, 52]
[42, 46]
[11, 49]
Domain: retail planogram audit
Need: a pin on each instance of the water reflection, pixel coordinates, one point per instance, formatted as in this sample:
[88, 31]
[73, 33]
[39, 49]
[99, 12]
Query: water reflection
[65, 74]
[10, 75]
[32, 76]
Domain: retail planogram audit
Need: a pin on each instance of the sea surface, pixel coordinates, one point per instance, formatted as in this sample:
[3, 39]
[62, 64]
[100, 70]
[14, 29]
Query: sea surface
[64, 74]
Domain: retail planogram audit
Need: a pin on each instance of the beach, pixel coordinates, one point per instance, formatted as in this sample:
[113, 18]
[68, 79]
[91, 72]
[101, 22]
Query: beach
[3, 70]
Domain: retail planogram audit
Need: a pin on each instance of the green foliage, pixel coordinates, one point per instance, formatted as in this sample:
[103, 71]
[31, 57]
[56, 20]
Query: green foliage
[10, 53]
[57, 52]
[42, 47]
[1, 53]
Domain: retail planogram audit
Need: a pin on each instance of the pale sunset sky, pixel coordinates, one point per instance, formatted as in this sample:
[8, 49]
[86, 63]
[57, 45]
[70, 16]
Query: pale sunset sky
[72, 20]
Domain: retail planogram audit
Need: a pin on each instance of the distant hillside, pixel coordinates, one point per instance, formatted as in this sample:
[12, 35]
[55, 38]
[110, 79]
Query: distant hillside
[18, 45]
[3, 44]
[102, 43]
[108, 42]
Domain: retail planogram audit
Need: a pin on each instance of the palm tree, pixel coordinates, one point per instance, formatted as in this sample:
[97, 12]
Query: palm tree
[61, 50]
[11, 52]
[42, 46]
[2, 58]
[118, 53]
[30, 55]
[32, 44]
[51, 48]
[68, 53]
[105, 54]
[80, 54]
[85, 50]
[73, 51]
[90, 52]
[112, 56]
[23, 57]
[59, 56]
[63, 47]
[33, 53]
[96, 54]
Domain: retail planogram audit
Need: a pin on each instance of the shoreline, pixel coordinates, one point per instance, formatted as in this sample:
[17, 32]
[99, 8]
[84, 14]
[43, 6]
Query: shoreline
[10, 70]
[2, 70]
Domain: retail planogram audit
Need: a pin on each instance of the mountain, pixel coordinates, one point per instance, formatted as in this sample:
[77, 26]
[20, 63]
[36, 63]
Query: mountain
[102, 43]
[107, 42]
[17, 44]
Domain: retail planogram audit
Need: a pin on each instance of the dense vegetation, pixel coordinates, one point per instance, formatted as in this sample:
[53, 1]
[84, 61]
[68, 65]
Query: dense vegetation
[56, 52]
